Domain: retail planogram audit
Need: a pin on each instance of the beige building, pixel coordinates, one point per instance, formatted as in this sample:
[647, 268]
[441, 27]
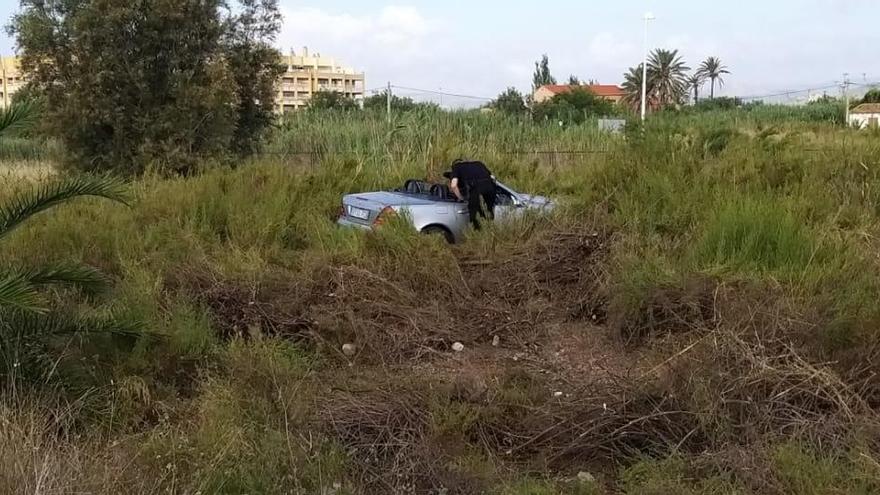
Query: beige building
[11, 80]
[307, 74]
[304, 76]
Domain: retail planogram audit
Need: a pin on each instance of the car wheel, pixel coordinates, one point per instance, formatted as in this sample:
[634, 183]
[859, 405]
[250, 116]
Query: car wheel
[437, 230]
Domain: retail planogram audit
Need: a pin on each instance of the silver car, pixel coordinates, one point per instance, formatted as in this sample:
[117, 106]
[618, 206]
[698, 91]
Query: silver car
[432, 208]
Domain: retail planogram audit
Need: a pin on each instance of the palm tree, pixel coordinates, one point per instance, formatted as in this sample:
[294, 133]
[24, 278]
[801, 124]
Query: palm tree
[632, 88]
[17, 116]
[713, 69]
[667, 76]
[29, 331]
[27, 327]
[695, 81]
[20, 288]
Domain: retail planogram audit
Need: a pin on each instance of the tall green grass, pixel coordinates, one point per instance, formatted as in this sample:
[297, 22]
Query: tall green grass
[755, 235]
[759, 195]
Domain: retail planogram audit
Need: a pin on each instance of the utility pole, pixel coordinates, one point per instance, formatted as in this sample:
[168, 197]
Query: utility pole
[846, 97]
[388, 102]
[648, 17]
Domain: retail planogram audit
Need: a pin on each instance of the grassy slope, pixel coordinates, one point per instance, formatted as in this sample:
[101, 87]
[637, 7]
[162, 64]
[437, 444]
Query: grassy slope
[757, 230]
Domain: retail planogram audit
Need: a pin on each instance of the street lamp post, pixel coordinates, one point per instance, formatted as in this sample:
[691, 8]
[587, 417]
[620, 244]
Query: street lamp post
[648, 18]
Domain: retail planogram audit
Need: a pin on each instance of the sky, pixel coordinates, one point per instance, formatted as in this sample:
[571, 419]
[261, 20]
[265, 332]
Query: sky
[481, 47]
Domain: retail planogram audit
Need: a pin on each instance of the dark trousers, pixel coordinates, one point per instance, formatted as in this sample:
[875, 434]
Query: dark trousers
[484, 189]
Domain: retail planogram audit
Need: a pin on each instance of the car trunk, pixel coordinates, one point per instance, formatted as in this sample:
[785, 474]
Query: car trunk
[365, 208]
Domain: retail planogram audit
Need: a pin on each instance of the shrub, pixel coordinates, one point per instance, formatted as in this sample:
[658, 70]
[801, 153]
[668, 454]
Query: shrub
[574, 107]
[872, 96]
[510, 102]
[121, 99]
[720, 103]
[379, 103]
[331, 100]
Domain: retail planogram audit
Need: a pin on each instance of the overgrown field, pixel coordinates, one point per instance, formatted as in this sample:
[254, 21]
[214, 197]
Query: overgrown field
[699, 316]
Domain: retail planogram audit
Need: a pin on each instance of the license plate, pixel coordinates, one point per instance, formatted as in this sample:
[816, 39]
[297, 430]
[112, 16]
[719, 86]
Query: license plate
[359, 213]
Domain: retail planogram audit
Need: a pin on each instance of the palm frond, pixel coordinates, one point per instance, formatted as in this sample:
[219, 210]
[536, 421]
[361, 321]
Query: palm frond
[19, 290]
[18, 293]
[28, 341]
[110, 324]
[24, 205]
[82, 276]
[17, 116]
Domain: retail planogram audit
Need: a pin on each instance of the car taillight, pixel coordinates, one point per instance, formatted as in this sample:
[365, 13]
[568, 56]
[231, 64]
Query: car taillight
[385, 215]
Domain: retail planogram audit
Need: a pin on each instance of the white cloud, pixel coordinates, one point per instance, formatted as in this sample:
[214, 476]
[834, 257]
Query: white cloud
[400, 24]
[393, 28]
[607, 49]
[308, 22]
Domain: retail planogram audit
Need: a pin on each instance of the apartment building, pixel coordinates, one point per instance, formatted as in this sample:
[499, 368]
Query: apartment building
[307, 74]
[11, 80]
[304, 75]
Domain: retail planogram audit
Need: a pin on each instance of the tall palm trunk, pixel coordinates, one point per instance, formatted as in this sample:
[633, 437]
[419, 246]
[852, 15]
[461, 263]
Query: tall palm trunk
[712, 95]
[696, 94]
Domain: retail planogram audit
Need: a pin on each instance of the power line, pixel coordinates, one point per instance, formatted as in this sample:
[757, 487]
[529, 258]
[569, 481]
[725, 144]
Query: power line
[791, 92]
[442, 93]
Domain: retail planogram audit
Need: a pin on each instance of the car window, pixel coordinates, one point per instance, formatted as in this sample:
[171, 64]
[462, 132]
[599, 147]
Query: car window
[502, 197]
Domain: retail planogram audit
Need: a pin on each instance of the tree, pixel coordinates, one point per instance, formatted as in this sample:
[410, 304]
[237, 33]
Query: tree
[872, 96]
[253, 62]
[573, 106]
[542, 76]
[331, 100]
[573, 80]
[150, 83]
[632, 89]
[694, 82]
[825, 99]
[713, 69]
[379, 102]
[510, 102]
[667, 76]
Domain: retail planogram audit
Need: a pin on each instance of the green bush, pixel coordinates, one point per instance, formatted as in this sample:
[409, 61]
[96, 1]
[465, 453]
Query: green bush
[121, 100]
[573, 107]
[510, 102]
[331, 100]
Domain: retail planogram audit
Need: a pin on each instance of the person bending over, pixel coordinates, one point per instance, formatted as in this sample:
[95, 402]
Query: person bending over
[470, 181]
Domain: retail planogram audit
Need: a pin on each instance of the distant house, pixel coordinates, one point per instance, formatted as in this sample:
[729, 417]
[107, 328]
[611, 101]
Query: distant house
[866, 115]
[610, 92]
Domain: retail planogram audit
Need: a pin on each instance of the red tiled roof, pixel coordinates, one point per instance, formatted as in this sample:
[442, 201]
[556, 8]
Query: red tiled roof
[598, 89]
[867, 108]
